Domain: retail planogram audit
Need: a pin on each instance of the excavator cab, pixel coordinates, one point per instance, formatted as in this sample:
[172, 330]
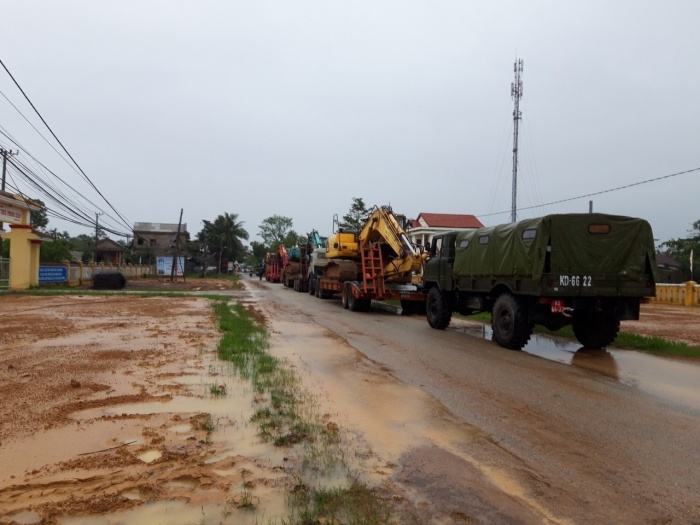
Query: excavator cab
[342, 244]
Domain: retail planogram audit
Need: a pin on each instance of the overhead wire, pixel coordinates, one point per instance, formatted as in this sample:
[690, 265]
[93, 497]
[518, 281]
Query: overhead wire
[82, 172]
[610, 190]
[46, 188]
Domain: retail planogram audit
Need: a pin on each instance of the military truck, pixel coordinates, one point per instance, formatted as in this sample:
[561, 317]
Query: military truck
[587, 270]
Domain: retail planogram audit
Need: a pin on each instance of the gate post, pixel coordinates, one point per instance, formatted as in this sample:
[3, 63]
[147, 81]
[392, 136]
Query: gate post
[690, 296]
[24, 242]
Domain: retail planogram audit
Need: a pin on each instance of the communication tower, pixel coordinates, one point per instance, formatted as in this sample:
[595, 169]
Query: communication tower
[516, 91]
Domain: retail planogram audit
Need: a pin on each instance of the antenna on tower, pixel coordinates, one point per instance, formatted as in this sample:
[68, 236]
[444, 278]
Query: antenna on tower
[516, 91]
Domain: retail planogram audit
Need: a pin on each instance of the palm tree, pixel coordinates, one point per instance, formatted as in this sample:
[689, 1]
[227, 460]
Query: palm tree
[223, 236]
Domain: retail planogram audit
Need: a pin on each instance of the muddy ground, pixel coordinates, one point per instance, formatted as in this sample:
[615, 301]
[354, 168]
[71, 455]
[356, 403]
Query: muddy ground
[88, 426]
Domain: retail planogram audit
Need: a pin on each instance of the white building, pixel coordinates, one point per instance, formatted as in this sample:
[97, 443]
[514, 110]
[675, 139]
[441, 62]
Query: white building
[427, 225]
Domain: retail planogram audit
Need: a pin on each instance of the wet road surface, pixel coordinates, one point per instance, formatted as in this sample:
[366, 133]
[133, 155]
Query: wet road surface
[470, 431]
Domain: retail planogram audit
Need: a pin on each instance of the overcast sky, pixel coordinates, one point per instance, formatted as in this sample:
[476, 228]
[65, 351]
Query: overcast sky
[293, 108]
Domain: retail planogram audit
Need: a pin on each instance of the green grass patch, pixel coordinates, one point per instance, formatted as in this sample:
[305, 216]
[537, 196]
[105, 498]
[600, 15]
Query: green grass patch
[217, 390]
[287, 416]
[352, 505]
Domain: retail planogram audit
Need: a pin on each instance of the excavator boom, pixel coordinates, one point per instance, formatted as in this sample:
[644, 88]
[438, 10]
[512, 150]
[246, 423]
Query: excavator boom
[401, 259]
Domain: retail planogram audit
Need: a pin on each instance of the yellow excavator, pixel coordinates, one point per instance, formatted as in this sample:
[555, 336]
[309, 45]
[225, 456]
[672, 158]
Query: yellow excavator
[378, 262]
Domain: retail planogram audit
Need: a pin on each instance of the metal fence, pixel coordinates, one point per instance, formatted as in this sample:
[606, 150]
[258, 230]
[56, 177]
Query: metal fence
[4, 273]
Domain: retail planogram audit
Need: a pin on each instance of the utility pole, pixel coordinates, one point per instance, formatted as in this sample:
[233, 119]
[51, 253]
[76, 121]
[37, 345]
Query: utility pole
[516, 91]
[177, 251]
[4, 154]
[97, 228]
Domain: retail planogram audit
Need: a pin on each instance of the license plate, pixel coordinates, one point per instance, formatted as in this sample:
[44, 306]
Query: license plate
[557, 307]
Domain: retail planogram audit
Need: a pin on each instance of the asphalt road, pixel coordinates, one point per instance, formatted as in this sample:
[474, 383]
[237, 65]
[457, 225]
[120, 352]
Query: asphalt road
[507, 437]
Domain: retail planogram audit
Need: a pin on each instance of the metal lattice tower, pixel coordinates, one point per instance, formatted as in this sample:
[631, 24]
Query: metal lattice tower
[516, 91]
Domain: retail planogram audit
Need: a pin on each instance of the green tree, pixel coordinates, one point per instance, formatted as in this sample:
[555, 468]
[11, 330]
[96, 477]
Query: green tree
[257, 253]
[39, 219]
[231, 233]
[55, 251]
[224, 237]
[85, 244]
[277, 230]
[355, 218]
[680, 249]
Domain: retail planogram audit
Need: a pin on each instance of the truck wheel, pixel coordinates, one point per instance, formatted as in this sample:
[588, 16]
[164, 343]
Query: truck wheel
[437, 309]
[511, 328]
[595, 329]
[353, 303]
[318, 290]
[344, 297]
[311, 290]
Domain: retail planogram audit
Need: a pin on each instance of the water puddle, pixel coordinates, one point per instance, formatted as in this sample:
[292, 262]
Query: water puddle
[150, 456]
[191, 485]
[165, 513]
[670, 379]
[181, 429]
[132, 495]
[28, 517]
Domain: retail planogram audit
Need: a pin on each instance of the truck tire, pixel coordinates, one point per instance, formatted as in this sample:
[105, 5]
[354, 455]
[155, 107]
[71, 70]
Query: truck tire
[312, 290]
[352, 302]
[509, 322]
[437, 309]
[595, 329]
[344, 296]
[318, 290]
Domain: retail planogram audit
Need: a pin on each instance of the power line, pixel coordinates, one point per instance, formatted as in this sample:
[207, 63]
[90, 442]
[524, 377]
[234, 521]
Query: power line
[124, 220]
[598, 192]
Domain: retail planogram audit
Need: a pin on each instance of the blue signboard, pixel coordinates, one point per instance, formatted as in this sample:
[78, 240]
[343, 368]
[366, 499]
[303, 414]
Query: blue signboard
[164, 266]
[53, 274]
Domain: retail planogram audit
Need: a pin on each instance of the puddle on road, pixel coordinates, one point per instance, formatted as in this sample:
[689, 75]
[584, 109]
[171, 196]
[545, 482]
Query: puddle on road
[667, 378]
[169, 513]
[27, 517]
[150, 456]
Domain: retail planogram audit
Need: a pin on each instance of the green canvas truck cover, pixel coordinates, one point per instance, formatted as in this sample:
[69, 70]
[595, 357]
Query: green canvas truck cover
[579, 244]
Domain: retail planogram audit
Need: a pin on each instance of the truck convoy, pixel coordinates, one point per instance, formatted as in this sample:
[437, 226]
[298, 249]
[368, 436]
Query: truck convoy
[378, 262]
[587, 270]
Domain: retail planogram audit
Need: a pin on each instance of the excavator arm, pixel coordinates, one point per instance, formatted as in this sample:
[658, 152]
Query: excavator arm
[400, 257]
[315, 240]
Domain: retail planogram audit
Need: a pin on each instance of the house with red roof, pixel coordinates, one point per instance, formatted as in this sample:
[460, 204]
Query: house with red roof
[427, 225]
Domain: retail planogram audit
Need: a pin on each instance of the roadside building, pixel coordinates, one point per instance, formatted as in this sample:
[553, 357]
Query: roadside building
[427, 225]
[109, 251]
[152, 239]
[670, 270]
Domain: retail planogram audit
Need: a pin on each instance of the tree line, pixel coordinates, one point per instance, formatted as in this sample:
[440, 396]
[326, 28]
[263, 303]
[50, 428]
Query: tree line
[219, 242]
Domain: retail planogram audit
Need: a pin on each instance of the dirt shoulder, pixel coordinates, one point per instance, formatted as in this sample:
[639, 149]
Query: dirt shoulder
[668, 321]
[107, 405]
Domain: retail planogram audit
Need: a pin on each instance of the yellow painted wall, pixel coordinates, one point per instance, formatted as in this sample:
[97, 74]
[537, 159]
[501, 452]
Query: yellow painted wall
[687, 294]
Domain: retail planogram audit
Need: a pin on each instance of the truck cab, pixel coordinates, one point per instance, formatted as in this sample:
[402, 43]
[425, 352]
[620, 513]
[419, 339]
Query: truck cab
[441, 256]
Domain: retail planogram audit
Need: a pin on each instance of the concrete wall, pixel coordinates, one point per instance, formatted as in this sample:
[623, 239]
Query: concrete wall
[80, 274]
[687, 294]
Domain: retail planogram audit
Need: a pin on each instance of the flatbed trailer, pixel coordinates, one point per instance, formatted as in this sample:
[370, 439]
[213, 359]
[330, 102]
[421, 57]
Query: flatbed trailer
[364, 282]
